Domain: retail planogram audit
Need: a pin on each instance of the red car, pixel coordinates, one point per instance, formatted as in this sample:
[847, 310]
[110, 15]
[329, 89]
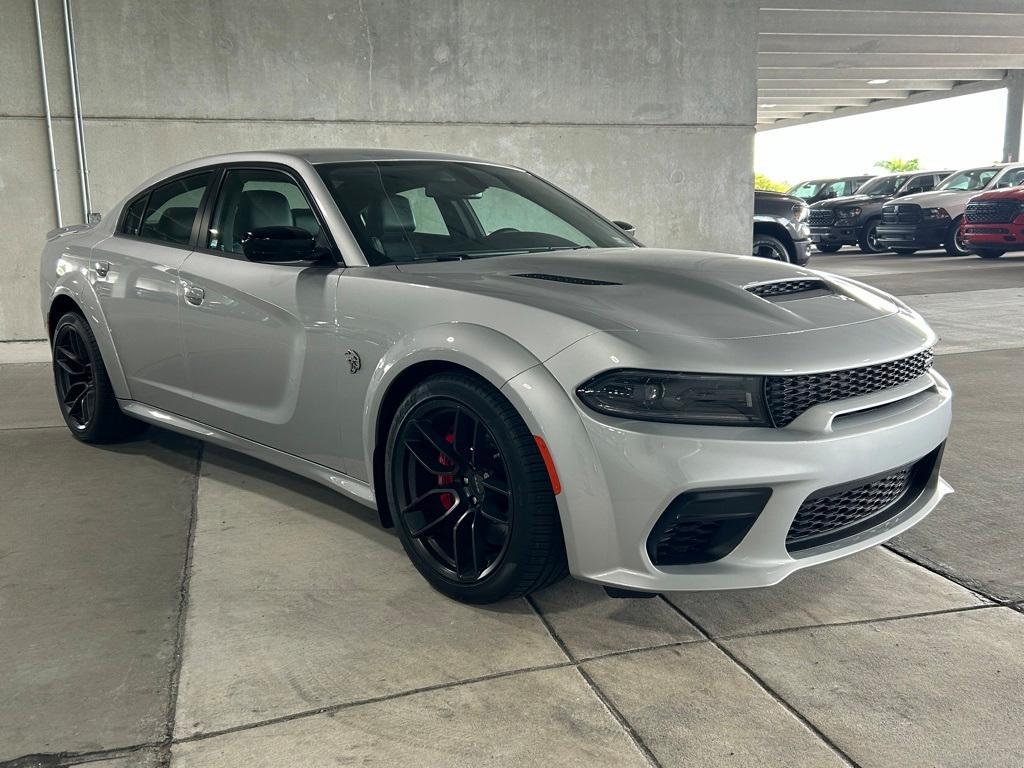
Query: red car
[994, 223]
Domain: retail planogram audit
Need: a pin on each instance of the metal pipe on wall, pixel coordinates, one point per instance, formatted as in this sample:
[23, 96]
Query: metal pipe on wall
[76, 105]
[49, 119]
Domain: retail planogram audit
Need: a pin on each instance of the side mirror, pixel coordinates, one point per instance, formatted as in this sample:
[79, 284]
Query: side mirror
[626, 227]
[279, 244]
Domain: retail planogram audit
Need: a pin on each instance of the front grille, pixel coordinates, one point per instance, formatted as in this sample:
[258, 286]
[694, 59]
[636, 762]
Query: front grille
[788, 287]
[992, 211]
[822, 516]
[901, 213]
[790, 396]
[820, 217]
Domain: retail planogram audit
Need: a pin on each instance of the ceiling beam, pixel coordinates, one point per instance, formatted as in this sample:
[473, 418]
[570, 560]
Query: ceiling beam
[870, 45]
[875, 106]
[863, 22]
[890, 61]
[833, 96]
[858, 86]
[867, 73]
[907, 6]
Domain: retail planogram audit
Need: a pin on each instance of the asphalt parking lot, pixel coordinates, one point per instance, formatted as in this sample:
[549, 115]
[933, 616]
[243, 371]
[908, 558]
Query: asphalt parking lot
[164, 601]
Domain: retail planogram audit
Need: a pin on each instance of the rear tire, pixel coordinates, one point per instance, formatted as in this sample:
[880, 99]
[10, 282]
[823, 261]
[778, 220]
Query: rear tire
[827, 247]
[84, 393]
[867, 238]
[954, 244]
[989, 253]
[470, 493]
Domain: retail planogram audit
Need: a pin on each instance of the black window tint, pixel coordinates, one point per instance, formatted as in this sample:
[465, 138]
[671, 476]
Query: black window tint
[172, 209]
[251, 198]
[132, 222]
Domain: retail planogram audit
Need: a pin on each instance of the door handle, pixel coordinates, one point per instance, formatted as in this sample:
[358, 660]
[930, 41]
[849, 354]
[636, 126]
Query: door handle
[194, 294]
[101, 267]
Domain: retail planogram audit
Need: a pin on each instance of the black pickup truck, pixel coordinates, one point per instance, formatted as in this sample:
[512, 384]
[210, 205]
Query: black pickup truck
[780, 228]
[853, 220]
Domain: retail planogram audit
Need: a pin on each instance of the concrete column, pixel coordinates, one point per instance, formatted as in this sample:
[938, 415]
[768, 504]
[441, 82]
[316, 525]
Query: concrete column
[1014, 115]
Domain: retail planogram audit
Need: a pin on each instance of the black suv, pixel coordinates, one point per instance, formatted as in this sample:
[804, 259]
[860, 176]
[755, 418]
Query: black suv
[824, 189]
[854, 220]
[780, 227]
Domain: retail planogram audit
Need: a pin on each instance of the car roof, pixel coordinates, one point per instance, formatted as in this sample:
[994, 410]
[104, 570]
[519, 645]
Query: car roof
[317, 156]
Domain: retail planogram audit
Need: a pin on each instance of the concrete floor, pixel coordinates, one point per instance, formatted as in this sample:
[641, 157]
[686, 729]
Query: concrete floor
[165, 602]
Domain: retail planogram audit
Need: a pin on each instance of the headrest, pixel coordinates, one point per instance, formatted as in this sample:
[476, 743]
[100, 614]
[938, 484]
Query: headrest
[262, 208]
[390, 214]
[176, 223]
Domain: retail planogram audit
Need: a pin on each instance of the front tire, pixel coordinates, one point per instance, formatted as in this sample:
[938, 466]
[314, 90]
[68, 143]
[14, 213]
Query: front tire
[955, 245]
[868, 238]
[84, 393]
[828, 247]
[470, 493]
[769, 247]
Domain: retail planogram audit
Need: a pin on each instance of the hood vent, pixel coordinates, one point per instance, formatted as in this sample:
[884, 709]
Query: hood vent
[785, 290]
[565, 279]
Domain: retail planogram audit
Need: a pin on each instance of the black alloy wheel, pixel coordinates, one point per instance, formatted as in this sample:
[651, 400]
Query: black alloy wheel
[955, 245]
[469, 492]
[74, 377]
[84, 393]
[868, 239]
[768, 247]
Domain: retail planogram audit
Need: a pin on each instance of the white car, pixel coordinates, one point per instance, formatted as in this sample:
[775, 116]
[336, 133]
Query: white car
[508, 377]
[932, 219]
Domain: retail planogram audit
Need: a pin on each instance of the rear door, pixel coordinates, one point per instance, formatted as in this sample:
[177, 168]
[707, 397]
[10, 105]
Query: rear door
[260, 338]
[136, 280]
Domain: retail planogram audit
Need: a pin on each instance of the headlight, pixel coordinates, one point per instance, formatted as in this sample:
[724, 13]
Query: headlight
[800, 211]
[681, 398]
[934, 213]
[848, 213]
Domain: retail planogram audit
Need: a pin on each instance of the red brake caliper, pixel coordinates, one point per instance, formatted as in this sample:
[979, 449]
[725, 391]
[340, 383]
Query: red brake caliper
[447, 499]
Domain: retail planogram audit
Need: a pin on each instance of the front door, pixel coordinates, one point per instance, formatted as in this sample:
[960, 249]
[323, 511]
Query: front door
[260, 339]
[136, 281]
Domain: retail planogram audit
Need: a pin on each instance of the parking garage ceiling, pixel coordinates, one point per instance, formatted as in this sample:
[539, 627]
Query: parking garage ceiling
[820, 59]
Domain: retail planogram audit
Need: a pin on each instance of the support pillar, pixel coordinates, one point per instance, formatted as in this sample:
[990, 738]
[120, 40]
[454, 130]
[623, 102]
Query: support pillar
[1014, 115]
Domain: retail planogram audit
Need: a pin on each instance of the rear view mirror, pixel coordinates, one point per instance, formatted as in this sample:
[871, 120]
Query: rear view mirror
[626, 227]
[279, 244]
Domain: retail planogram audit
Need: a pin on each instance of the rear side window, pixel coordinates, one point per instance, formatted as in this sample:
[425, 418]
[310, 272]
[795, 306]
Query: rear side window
[171, 210]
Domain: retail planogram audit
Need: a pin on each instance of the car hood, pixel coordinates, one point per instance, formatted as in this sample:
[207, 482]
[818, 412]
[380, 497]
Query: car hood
[938, 198]
[841, 202]
[1014, 193]
[684, 293]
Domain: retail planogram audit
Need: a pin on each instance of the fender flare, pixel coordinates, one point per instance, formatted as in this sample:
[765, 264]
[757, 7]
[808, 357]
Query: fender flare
[74, 285]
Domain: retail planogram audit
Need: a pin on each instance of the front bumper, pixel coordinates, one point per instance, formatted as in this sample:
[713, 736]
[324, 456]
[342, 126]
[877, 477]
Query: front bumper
[1006, 237]
[802, 251]
[836, 234]
[926, 234]
[631, 472]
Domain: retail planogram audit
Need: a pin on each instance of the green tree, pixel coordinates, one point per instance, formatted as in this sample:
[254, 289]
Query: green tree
[763, 182]
[898, 164]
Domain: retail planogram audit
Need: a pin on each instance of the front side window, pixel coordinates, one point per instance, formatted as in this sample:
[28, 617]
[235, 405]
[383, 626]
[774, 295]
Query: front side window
[404, 211]
[1011, 177]
[883, 186]
[970, 181]
[171, 209]
[252, 198]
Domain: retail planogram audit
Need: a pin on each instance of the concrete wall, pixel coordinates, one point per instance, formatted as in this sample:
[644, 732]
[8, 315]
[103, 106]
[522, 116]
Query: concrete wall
[644, 109]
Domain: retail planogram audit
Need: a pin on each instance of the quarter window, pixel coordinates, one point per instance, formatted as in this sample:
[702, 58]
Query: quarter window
[252, 198]
[172, 208]
[132, 222]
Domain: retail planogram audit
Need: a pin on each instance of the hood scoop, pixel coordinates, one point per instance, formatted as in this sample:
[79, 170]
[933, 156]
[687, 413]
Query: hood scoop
[788, 290]
[565, 279]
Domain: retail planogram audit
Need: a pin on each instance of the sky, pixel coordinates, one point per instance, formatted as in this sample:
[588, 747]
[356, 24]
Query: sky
[946, 134]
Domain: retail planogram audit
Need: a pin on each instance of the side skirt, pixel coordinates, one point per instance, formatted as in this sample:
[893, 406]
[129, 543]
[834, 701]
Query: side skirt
[342, 483]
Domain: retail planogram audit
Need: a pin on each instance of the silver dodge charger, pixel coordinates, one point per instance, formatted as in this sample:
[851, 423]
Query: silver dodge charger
[509, 378]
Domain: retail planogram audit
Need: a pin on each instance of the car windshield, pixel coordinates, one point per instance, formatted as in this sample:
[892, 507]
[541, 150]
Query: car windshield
[807, 189]
[882, 186]
[968, 181]
[405, 211]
